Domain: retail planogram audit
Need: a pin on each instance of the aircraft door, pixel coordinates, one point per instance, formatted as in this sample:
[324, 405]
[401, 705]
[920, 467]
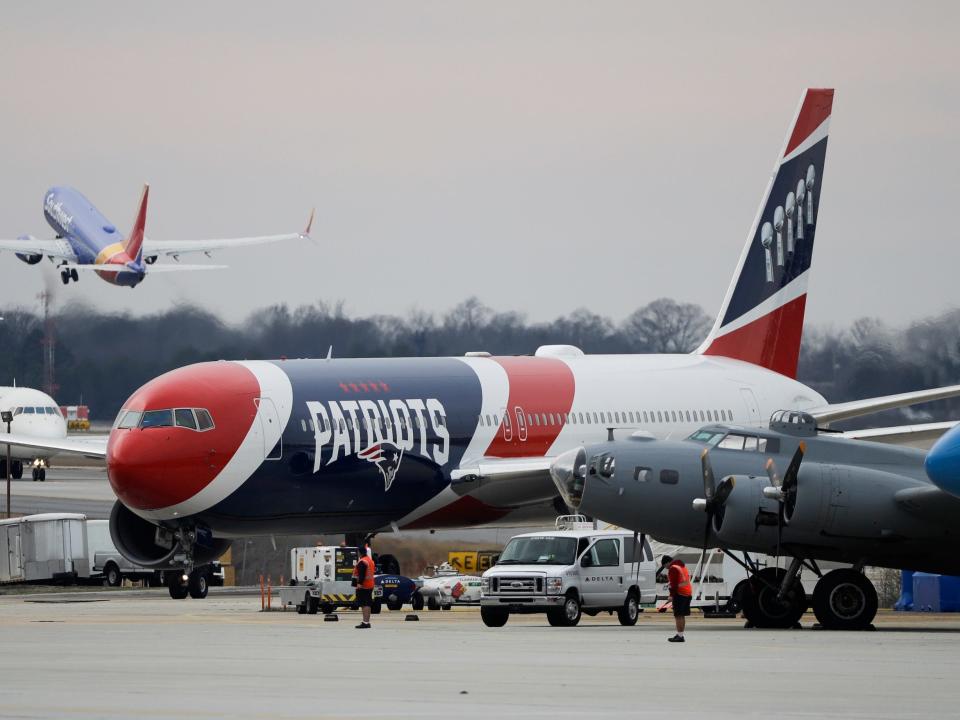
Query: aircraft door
[507, 425]
[270, 429]
[521, 424]
[753, 408]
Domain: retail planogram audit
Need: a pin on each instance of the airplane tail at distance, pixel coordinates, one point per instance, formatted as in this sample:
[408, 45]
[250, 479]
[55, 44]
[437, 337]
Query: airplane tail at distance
[761, 320]
[134, 243]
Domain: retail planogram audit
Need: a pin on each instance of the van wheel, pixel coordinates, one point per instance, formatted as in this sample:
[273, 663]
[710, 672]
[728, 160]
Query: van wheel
[112, 576]
[571, 610]
[394, 605]
[433, 603]
[494, 617]
[628, 614]
[555, 617]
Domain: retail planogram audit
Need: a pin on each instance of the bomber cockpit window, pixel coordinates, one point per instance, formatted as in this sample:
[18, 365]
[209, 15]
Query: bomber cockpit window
[748, 443]
[156, 418]
[710, 437]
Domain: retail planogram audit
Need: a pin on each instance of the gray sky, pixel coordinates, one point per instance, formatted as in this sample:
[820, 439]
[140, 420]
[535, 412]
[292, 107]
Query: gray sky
[542, 156]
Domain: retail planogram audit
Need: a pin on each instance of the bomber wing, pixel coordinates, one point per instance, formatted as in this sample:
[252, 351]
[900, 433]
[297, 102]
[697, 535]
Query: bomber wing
[93, 446]
[176, 248]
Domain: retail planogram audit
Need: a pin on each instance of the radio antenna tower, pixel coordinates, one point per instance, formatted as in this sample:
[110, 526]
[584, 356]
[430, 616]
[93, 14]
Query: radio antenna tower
[48, 344]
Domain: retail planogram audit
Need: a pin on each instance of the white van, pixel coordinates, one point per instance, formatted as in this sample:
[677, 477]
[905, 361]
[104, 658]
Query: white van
[567, 571]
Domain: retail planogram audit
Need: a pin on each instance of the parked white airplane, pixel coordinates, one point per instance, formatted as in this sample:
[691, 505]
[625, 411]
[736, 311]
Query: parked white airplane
[35, 415]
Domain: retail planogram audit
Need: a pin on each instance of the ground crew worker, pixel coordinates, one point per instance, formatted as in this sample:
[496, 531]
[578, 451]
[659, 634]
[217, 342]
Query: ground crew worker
[681, 592]
[363, 580]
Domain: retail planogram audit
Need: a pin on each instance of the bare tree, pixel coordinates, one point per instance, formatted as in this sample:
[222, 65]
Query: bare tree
[666, 326]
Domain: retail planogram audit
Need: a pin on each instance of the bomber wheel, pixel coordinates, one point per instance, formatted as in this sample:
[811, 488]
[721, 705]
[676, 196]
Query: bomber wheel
[764, 609]
[198, 585]
[112, 576]
[416, 601]
[630, 612]
[494, 617]
[845, 599]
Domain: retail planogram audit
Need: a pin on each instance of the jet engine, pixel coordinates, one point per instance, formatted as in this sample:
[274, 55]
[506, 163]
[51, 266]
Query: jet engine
[143, 543]
[30, 258]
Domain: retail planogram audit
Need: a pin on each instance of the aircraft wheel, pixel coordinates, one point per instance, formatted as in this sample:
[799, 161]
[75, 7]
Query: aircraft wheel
[416, 601]
[389, 565]
[178, 591]
[65, 277]
[198, 585]
[763, 609]
[73, 275]
[630, 612]
[494, 617]
[845, 599]
[16, 469]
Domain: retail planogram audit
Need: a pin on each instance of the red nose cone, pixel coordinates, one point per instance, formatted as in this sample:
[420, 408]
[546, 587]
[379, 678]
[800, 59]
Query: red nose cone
[155, 467]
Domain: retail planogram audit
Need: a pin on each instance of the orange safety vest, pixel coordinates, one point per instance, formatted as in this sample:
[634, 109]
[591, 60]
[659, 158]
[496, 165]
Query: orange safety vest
[367, 582]
[684, 586]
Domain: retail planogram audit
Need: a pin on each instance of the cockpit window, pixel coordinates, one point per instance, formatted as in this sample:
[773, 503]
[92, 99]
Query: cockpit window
[156, 418]
[749, 443]
[29, 411]
[710, 437]
[733, 441]
[204, 421]
[51, 410]
[129, 419]
[184, 418]
[17, 411]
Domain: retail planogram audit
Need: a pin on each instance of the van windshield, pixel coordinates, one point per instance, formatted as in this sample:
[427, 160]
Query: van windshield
[542, 550]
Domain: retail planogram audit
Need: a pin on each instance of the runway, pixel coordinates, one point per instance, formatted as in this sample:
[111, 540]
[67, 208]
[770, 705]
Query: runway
[66, 489]
[116, 654]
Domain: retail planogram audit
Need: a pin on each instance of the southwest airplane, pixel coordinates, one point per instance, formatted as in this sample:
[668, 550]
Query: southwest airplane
[86, 240]
[219, 450]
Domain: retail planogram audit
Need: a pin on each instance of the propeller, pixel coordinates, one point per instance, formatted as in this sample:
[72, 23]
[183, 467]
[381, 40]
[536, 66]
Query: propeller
[715, 495]
[784, 490]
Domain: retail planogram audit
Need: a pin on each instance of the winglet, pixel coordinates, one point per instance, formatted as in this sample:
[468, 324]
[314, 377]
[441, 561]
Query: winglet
[306, 230]
[134, 244]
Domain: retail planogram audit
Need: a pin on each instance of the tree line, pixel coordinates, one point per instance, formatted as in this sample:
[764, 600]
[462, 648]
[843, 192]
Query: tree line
[102, 357]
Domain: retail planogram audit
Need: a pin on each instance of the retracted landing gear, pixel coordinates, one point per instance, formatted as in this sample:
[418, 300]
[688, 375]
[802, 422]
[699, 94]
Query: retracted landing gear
[845, 599]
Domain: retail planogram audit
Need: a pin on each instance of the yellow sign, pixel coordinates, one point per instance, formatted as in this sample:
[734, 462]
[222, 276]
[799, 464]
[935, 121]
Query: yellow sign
[472, 562]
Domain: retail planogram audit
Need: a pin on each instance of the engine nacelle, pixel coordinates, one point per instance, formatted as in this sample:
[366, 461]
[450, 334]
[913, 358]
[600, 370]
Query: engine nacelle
[747, 519]
[30, 258]
[143, 543]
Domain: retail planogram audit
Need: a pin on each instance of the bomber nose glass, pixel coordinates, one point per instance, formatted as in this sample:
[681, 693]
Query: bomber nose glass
[569, 473]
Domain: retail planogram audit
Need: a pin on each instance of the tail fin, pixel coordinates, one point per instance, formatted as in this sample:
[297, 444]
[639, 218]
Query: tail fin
[761, 320]
[133, 245]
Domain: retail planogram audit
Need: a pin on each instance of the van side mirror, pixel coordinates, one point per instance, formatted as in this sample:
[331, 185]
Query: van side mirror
[585, 561]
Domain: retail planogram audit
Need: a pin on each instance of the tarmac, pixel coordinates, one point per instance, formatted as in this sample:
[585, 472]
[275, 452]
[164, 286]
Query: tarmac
[66, 489]
[128, 653]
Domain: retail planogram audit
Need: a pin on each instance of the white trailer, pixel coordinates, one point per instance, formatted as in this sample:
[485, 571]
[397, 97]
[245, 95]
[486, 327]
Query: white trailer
[51, 546]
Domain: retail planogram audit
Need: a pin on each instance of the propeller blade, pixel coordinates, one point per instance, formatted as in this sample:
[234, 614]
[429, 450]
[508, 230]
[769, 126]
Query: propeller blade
[723, 490]
[709, 482]
[771, 468]
[790, 477]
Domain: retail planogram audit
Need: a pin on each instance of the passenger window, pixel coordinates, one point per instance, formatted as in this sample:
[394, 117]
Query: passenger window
[184, 418]
[204, 421]
[595, 419]
[669, 477]
[552, 419]
[642, 474]
[645, 416]
[157, 418]
[659, 416]
[688, 416]
[487, 418]
[606, 553]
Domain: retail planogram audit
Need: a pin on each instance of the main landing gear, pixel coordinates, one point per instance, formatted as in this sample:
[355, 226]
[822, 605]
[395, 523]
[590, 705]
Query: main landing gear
[843, 599]
[68, 274]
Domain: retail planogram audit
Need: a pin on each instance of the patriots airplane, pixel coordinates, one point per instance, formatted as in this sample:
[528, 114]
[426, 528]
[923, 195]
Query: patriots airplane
[86, 240]
[219, 450]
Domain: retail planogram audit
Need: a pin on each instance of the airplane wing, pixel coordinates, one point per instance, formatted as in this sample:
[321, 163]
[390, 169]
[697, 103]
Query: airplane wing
[919, 436]
[484, 479]
[180, 247]
[149, 269]
[94, 446]
[856, 408]
[29, 245]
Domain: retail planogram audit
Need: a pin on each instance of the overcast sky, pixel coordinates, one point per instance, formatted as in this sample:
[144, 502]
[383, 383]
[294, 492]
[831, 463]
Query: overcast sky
[542, 156]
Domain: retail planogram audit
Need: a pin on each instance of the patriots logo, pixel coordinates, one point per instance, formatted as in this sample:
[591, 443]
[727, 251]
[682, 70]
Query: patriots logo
[386, 456]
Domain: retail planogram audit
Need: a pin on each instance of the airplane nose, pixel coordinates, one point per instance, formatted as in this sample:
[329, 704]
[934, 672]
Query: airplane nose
[178, 432]
[569, 472]
[942, 463]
